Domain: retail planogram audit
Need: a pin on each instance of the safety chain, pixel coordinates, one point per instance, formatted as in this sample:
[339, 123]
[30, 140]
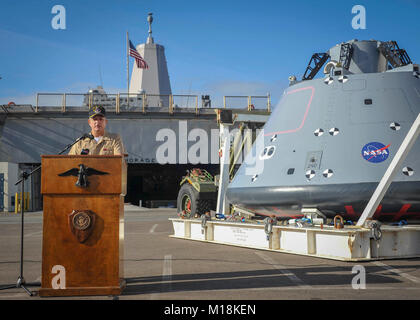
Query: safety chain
[375, 229]
[269, 222]
[204, 218]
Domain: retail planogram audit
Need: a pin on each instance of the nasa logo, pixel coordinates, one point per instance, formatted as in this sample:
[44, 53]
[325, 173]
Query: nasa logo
[375, 152]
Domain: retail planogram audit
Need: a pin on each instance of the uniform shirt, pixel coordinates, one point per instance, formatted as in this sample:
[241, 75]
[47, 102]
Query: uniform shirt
[109, 144]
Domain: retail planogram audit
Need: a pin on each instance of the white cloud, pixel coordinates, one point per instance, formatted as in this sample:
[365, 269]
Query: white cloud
[23, 99]
[55, 99]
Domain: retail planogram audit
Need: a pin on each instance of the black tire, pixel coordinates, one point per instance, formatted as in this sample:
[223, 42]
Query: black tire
[196, 205]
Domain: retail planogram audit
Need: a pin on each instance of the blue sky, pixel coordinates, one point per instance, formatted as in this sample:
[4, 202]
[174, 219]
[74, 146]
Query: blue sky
[212, 47]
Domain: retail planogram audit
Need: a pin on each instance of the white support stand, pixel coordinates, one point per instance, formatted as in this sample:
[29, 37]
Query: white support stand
[348, 244]
[222, 203]
[313, 213]
[395, 164]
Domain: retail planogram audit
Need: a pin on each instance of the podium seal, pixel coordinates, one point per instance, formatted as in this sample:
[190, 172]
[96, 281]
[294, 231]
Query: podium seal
[81, 224]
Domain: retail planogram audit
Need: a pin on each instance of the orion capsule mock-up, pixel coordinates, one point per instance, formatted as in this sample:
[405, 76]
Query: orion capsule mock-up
[330, 140]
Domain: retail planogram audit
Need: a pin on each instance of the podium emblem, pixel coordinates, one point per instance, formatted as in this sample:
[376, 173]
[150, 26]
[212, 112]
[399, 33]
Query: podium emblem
[82, 224]
[82, 173]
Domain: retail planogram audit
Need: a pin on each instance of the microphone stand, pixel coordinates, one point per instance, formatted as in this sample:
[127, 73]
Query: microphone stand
[21, 280]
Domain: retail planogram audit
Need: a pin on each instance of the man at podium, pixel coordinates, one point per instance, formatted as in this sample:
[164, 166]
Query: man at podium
[99, 142]
[83, 215]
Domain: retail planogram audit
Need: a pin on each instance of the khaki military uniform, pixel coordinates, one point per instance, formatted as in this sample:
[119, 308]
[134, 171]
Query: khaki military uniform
[109, 144]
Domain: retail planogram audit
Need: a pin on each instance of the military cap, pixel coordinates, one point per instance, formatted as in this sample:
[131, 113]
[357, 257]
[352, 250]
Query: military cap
[96, 111]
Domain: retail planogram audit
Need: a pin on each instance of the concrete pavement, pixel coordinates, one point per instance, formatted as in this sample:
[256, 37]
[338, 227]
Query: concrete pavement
[158, 267]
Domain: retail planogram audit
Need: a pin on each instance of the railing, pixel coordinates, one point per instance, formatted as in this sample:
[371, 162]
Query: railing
[130, 102]
[252, 102]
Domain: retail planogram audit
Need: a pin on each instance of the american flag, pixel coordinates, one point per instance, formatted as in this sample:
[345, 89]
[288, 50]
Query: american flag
[139, 60]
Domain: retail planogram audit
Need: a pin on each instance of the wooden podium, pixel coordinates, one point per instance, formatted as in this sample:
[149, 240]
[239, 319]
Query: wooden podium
[83, 225]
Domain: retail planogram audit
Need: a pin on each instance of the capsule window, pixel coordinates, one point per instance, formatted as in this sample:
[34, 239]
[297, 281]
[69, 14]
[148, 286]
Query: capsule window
[264, 152]
[291, 171]
[267, 152]
[368, 101]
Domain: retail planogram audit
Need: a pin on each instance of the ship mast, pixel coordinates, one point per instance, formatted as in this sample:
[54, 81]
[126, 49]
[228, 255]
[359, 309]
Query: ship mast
[150, 20]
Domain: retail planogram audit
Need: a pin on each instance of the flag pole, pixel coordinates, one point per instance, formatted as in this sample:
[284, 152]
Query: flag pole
[128, 73]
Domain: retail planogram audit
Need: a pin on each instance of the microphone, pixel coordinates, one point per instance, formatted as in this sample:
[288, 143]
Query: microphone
[86, 135]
